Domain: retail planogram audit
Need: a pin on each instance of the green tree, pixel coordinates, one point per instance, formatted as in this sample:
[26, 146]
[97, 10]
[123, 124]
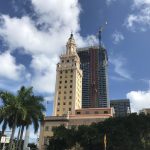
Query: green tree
[10, 111]
[34, 110]
[126, 133]
[76, 147]
[22, 110]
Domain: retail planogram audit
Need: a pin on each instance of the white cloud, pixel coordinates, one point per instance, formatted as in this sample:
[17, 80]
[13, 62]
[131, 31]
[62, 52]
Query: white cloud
[117, 37]
[139, 100]
[140, 21]
[22, 32]
[49, 98]
[139, 3]
[116, 78]
[130, 20]
[56, 20]
[9, 69]
[119, 67]
[140, 16]
[108, 2]
[58, 14]
[44, 73]
[45, 43]
[91, 40]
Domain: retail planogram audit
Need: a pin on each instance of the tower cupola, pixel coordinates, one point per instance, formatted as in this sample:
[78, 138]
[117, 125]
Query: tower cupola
[71, 46]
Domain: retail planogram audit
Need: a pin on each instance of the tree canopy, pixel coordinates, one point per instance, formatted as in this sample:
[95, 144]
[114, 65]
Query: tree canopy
[125, 133]
[20, 110]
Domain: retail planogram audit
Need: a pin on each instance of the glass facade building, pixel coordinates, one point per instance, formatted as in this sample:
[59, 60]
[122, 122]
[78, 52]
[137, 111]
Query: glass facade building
[121, 107]
[94, 64]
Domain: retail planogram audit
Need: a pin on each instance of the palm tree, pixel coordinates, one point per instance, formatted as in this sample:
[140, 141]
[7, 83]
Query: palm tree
[12, 109]
[22, 110]
[6, 120]
[34, 111]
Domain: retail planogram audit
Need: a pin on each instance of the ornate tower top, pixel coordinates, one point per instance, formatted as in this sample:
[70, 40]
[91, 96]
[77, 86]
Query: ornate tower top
[68, 89]
[71, 46]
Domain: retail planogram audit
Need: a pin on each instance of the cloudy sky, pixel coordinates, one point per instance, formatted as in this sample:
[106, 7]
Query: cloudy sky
[33, 33]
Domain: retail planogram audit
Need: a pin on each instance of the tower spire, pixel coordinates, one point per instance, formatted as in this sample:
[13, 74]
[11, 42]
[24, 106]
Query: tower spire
[71, 45]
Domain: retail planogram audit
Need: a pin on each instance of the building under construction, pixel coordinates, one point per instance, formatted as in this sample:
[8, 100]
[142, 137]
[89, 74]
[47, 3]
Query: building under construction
[94, 62]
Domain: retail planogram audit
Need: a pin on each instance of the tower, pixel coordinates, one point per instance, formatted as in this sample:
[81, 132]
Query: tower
[94, 64]
[68, 88]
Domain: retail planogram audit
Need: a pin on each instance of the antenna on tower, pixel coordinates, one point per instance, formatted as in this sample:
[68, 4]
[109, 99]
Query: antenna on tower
[71, 32]
[100, 33]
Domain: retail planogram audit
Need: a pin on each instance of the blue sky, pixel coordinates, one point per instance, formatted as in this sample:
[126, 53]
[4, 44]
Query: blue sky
[33, 33]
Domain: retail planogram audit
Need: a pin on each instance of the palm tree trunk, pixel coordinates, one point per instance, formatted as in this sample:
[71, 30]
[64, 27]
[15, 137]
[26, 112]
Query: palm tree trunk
[20, 139]
[3, 131]
[26, 139]
[1, 136]
[13, 133]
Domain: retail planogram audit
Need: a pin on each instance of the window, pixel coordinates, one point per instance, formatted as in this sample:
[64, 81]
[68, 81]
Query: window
[70, 97]
[46, 128]
[60, 82]
[65, 81]
[66, 71]
[60, 72]
[69, 109]
[70, 81]
[69, 103]
[105, 112]
[64, 92]
[59, 92]
[64, 97]
[71, 76]
[59, 87]
[87, 112]
[60, 77]
[65, 87]
[67, 60]
[62, 61]
[70, 86]
[70, 91]
[71, 70]
[78, 112]
[96, 112]
[58, 103]
[64, 103]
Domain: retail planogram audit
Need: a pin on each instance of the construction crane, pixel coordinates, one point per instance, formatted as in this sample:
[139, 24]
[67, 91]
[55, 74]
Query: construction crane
[100, 33]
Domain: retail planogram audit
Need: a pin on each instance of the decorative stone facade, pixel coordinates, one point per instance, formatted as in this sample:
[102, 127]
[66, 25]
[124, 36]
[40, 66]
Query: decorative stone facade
[68, 89]
[68, 109]
[87, 116]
